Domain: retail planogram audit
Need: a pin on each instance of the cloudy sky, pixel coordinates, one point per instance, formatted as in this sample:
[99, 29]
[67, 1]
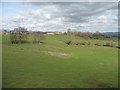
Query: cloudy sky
[59, 16]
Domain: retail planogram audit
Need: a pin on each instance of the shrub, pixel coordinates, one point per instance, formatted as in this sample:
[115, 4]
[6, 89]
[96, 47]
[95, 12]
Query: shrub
[109, 44]
[118, 47]
[89, 43]
[77, 43]
[69, 42]
[97, 44]
[83, 43]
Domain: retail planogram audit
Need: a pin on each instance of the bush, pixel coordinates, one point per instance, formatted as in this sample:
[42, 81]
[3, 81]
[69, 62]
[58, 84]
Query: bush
[68, 42]
[109, 44]
[118, 47]
[97, 44]
[89, 43]
[77, 43]
[83, 43]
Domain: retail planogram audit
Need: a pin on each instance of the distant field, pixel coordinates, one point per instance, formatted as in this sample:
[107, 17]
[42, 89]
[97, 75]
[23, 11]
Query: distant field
[55, 64]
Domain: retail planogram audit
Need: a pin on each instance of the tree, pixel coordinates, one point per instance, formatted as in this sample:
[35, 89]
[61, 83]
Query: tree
[38, 37]
[18, 35]
[13, 37]
[97, 35]
[70, 34]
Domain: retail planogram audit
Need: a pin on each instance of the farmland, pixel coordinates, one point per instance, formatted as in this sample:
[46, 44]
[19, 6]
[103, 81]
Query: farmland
[54, 64]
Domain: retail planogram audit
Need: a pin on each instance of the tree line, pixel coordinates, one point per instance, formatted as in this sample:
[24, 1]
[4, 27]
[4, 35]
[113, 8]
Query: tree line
[87, 35]
[21, 35]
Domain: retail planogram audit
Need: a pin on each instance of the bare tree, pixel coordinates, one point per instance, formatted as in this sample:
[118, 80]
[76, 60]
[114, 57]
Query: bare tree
[69, 34]
[96, 35]
[13, 37]
[38, 37]
[18, 35]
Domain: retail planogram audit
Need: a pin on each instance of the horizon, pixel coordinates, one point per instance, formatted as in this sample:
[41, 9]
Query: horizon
[63, 31]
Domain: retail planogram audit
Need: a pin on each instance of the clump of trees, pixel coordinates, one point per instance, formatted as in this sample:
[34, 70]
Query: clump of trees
[18, 35]
[85, 35]
[88, 35]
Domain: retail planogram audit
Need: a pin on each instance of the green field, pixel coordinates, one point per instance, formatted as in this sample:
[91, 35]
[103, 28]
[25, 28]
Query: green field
[54, 64]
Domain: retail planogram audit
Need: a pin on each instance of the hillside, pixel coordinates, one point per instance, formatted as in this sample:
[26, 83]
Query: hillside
[54, 64]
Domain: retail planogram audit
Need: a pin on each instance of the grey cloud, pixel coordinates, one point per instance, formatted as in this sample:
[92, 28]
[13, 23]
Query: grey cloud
[79, 12]
[63, 15]
[82, 12]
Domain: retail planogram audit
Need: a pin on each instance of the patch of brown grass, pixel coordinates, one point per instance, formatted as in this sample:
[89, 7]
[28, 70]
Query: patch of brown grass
[59, 54]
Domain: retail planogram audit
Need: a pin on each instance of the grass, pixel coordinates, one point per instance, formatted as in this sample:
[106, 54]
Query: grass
[29, 66]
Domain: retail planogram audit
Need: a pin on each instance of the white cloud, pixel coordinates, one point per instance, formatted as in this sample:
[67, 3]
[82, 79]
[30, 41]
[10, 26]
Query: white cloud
[102, 17]
[60, 16]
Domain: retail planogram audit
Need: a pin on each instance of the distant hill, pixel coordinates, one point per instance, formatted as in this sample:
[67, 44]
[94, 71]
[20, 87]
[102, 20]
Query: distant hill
[111, 33]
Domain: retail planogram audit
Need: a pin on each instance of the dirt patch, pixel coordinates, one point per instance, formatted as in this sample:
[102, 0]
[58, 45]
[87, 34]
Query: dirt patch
[59, 54]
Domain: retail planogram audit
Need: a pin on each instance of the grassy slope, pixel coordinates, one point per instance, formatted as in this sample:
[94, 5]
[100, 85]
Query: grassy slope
[28, 66]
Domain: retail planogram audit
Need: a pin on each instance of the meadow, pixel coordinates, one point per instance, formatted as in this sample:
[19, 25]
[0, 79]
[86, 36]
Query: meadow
[54, 64]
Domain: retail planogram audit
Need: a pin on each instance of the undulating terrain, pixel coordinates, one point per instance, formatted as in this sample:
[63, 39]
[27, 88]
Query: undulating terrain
[54, 64]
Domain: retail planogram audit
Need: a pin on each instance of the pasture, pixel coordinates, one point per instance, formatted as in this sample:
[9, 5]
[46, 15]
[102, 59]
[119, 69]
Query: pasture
[54, 64]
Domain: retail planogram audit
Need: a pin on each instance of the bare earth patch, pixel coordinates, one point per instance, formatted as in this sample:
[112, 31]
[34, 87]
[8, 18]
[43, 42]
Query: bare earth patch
[59, 54]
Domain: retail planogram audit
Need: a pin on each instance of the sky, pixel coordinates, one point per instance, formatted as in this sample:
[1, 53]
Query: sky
[59, 16]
